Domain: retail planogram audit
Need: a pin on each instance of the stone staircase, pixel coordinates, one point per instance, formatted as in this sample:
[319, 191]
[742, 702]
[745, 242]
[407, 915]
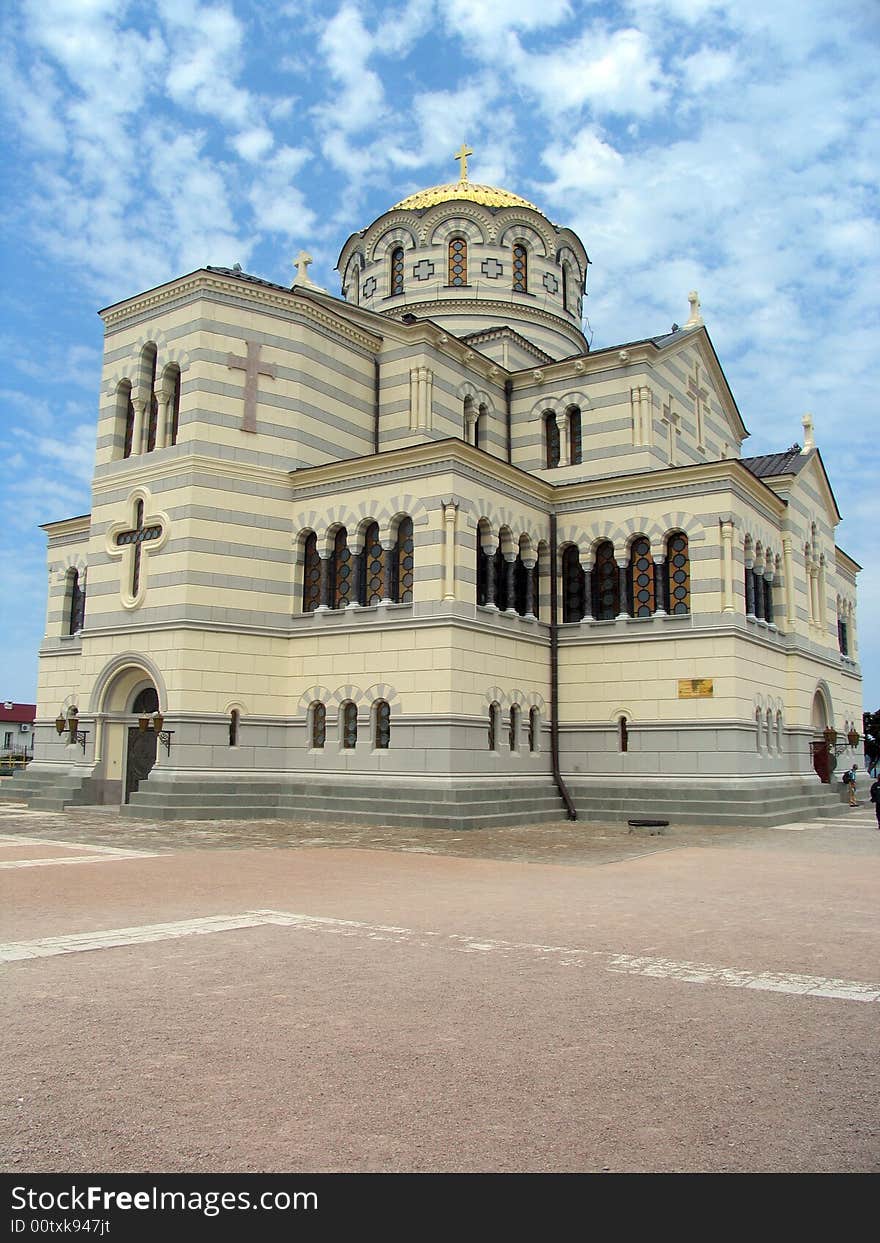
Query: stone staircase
[47, 787]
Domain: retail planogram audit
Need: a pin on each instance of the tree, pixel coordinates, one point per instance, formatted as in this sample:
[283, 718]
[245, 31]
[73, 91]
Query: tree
[871, 731]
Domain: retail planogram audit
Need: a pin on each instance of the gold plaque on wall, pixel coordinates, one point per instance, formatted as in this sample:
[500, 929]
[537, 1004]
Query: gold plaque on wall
[695, 688]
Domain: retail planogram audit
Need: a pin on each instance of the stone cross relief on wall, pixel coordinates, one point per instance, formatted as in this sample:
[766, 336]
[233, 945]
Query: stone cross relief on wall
[252, 367]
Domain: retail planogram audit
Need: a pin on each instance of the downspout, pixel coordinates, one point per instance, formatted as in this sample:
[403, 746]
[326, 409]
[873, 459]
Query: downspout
[554, 677]
[375, 403]
[508, 399]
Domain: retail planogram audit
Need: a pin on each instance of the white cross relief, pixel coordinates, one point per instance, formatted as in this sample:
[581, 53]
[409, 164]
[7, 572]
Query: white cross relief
[698, 395]
[252, 368]
[133, 542]
[670, 418]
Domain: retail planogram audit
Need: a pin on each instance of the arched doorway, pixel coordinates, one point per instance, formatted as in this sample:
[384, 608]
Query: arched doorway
[127, 694]
[820, 720]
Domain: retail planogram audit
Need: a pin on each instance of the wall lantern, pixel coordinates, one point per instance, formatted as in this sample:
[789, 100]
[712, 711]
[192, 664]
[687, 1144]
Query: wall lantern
[60, 724]
[853, 737]
[830, 735]
[164, 735]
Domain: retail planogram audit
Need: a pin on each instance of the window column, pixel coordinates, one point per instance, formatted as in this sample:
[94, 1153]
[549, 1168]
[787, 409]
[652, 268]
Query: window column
[661, 587]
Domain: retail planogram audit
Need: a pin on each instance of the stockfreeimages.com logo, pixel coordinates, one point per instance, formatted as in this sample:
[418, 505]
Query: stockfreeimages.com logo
[210, 1203]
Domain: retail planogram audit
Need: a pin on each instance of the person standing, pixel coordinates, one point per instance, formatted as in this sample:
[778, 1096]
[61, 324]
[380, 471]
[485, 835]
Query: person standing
[852, 786]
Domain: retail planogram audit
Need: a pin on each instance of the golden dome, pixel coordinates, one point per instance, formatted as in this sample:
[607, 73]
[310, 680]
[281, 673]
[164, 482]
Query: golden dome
[488, 196]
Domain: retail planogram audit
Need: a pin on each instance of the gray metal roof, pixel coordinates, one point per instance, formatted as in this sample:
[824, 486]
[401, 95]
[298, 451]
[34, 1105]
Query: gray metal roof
[768, 465]
[246, 276]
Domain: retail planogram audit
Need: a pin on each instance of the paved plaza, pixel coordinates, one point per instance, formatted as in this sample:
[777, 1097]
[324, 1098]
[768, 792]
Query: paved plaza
[272, 996]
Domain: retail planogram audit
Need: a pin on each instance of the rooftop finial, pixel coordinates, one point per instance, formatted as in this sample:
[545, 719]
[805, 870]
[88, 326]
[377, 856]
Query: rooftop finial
[462, 157]
[696, 319]
[809, 438]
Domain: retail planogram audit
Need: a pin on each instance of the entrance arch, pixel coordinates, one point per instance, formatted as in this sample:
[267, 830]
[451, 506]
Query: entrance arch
[129, 691]
[820, 719]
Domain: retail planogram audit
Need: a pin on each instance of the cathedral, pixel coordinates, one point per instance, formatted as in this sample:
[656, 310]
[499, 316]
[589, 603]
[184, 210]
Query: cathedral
[417, 555]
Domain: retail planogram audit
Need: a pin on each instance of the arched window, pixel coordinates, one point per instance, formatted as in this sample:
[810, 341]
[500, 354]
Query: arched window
[565, 287]
[574, 435]
[145, 701]
[317, 726]
[768, 727]
[374, 565]
[520, 268]
[382, 724]
[233, 727]
[606, 583]
[641, 578]
[622, 734]
[573, 579]
[679, 570]
[779, 733]
[148, 377]
[175, 405]
[534, 728]
[551, 440]
[341, 571]
[77, 614]
[356, 285]
[758, 732]
[480, 426]
[349, 726]
[404, 562]
[457, 261]
[311, 596]
[125, 416]
[513, 732]
[494, 721]
[396, 283]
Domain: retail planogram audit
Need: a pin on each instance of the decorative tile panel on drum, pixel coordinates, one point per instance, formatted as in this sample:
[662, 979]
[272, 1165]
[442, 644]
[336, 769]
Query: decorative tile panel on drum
[405, 562]
[374, 562]
[679, 565]
[457, 261]
[341, 570]
[311, 575]
[641, 570]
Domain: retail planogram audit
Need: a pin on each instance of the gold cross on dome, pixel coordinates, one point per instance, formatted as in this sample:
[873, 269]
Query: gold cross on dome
[462, 156]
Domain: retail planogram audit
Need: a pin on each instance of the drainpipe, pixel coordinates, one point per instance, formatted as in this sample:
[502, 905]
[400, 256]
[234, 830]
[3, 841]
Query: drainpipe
[375, 403]
[554, 677]
[508, 398]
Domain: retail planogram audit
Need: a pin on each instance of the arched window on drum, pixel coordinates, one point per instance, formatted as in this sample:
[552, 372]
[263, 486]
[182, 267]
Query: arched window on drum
[641, 578]
[678, 568]
[396, 282]
[404, 564]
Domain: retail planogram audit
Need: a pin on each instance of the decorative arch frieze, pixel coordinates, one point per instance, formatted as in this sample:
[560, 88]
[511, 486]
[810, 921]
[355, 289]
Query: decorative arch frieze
[472, 224]
[496, 517]
[355, 519]
[519, 229]
[397, 235]
[511, 219]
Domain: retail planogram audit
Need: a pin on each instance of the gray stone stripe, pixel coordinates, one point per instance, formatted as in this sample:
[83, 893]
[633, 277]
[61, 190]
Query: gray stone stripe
[296, 407]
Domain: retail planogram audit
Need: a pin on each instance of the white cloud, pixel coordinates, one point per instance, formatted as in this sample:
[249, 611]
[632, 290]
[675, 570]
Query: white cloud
[616, 72]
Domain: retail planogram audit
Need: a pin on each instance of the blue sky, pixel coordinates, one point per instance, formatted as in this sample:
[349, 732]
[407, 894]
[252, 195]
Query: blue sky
[727, 147]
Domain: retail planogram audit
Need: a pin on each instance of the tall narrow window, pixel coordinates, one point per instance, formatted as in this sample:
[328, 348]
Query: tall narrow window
[842, 637]
[349, 726]
[480, 427]
[404, 562]
[397, 270]
[233, 727]
[573, 581]
[606, 584]
[318, 728]
[482, 573]
[457, 261]
[513, 732]
[551, 440]
[678, 563]
[125, 414]
[520, 269]
[374, 565]
[622, 735]
[494, 718]
[382, 724]
[574, 435]
[175, 407]
[311, 597]
[534, 728]
[149, 360]
[341, 570]
[77, 614]
[641, 578]
[564, 287]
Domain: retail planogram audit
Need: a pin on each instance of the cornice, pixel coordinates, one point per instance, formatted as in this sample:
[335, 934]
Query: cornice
[142, 471]
[443, 306]
[80, 525]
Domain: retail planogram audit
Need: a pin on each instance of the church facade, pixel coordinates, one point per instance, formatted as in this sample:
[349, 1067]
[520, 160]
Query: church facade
[418, 555]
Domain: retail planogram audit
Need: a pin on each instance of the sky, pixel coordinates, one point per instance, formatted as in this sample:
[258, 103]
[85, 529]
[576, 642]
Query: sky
[725, 147]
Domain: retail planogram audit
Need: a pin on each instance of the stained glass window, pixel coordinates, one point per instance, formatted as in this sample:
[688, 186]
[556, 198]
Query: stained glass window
[520, 268]
[457, 261]
[551, 440]
[319, 726]
[397, 270]
[500, 580]
[382, 710]
[572, 586]
[574, 434]
[678, 565]
[153, 417]
[405, 562]
[311, 574]
[606, 583]
[77, 614]
[342, 567]
[842, 637]
[349, 726]
[520, 579]
[125, 396]
[374, 565]
[641, 578]
[564, 287]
